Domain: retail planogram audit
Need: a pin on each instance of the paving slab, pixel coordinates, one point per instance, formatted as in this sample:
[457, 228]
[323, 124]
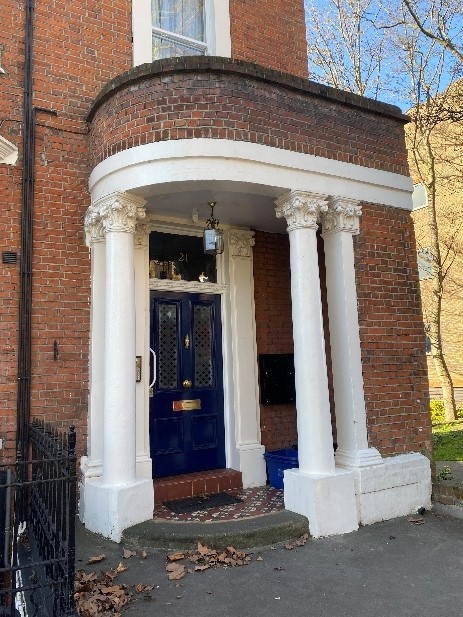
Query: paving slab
[391, 569]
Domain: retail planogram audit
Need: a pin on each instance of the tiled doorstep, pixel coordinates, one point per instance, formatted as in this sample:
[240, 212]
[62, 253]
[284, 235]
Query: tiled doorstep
[256, 501]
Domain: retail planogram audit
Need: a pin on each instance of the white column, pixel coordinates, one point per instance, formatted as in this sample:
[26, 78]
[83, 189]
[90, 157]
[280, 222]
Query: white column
[91, 464]
[340, 223]
[142, 328]
[117, 500]
[317, 490]
[244, 352]
[315, 440]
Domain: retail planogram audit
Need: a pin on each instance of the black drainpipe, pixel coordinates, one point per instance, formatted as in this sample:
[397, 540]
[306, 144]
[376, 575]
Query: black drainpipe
[25, 284]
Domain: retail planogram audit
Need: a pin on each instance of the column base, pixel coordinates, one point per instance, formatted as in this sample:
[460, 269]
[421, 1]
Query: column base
[108, 510]
[144, 468]
[328, 501]
[91, 468]
[353, 459]
[252, 465]
[399, 487]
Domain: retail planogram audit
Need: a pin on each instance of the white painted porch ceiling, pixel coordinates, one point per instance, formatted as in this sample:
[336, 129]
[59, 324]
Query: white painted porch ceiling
[237, 204]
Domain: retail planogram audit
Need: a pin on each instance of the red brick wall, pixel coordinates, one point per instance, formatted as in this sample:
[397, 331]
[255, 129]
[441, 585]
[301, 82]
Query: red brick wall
[199, 97]
[77, 49]
[274, 330]
[391, 332]
[271, 33]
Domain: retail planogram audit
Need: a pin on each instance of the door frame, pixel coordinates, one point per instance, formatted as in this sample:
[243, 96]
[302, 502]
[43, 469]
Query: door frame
[243, 450]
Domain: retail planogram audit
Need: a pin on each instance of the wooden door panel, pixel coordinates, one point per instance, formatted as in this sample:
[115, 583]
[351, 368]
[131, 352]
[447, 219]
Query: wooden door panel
[186, 336]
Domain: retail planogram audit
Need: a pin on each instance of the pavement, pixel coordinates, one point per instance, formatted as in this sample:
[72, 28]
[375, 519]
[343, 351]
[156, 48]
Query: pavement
[398, 568]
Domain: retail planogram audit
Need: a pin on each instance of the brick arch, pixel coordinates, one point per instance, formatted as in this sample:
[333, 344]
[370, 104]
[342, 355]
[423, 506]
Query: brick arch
[215, 98]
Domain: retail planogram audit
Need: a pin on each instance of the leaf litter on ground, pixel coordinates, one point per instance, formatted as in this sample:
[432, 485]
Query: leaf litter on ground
[96, 594]
[204, 558]
[300, 542]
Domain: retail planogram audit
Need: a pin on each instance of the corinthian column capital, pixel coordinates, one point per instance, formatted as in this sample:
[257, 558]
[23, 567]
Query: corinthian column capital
[120, 211]
[142, 231]
[241, 242]
[301, 209]
[94, 231]
[343, 215]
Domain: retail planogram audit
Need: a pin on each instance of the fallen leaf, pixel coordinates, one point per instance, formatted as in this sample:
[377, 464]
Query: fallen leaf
[96, 559]
[176, 574]
[259, 558]
[121, 568]
[176, 556]
[144, 555]
[140, 588]
[300, 542]
[128, 553]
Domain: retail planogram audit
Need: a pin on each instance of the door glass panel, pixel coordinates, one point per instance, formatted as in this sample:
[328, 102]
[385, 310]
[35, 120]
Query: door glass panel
[202, 341]
[180, 258]
[168, 347]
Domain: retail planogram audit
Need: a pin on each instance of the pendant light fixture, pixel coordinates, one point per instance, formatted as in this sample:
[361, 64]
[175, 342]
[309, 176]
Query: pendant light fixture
[212, 235]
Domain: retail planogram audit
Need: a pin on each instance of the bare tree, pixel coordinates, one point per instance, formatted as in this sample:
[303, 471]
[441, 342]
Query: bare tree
[345, 48]
[436, 20]
[352, 45]
[432, 118]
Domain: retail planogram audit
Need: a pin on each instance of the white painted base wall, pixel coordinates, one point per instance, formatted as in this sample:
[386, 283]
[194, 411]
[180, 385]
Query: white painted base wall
[110, 509]
[328, 501]
[340, 502]
[397, 487]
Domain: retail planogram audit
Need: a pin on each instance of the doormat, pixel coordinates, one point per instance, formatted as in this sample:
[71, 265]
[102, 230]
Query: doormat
[204, 502]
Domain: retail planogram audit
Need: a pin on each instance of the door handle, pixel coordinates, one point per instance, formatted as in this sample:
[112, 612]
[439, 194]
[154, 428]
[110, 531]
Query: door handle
[187, 383]
[150, 387]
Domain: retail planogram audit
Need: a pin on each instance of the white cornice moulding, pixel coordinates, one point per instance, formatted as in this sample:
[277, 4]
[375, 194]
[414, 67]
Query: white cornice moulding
[8, 152]
[191, 160]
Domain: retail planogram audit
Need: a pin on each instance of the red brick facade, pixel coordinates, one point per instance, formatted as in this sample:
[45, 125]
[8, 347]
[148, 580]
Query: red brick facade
[274, 332]
[78, 48]
[270, 33]
[391, 333]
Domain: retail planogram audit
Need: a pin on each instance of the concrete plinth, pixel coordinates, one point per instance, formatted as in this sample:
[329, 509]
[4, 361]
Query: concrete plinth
[398, 487]
[111, 509]
[328, 501]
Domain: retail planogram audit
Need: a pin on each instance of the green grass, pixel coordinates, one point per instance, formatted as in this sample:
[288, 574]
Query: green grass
[448, 441]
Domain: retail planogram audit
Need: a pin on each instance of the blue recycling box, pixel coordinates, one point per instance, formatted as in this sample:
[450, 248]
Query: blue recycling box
[277, 461]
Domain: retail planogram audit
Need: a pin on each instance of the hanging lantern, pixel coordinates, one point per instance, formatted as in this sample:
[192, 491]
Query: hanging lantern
[212, 235]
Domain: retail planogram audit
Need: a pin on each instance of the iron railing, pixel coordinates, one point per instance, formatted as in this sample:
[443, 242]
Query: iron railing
[37, 517]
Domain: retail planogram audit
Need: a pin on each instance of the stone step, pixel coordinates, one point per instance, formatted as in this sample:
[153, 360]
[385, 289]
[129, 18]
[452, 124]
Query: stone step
[252, 532]
[195, 484]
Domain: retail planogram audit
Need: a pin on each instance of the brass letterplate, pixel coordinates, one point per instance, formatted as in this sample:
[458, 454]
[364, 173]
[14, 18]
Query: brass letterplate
[186, 405]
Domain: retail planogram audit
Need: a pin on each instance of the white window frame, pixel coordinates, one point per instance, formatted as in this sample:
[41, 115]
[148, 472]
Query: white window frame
[217, 30]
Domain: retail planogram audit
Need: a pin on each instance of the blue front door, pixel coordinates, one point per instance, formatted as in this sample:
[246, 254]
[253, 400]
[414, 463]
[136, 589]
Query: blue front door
[186, 410]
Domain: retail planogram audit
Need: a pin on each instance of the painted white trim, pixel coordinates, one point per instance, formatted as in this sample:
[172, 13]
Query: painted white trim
[190, 160]
[8, 152]
[218, 34]
[217, 30]
[142, 50]
[187, 286]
